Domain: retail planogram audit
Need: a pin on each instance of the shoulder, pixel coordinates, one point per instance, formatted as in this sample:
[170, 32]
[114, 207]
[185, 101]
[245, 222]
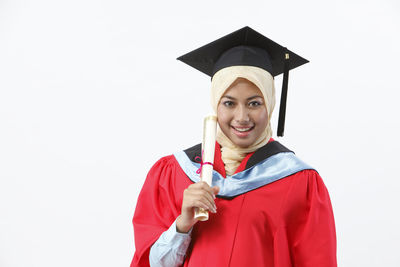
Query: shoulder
[275, 155]
[307, 176]
[167, 172]
[270, 149]
[161, 169]
[303, 189]
[164, 164]
[275, 158]
[306, 186]
[164, 161]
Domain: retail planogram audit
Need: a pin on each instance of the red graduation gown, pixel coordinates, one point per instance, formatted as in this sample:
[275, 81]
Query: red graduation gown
[286, 223]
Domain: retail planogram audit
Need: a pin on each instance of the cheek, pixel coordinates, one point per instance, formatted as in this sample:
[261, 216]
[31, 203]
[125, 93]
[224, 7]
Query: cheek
[222, 121]
[223, 117]
[262, 118]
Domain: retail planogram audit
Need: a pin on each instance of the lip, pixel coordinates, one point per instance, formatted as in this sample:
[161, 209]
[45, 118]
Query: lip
[242, 134]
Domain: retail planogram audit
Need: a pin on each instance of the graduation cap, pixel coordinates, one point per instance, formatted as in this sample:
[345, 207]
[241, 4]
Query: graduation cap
[246, 47]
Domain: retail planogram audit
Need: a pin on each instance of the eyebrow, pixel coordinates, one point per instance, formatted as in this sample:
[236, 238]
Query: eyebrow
[250, 98]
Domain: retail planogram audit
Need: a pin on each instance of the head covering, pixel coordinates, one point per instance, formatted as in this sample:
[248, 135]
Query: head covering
[232, 155]
[246, 47]
[247, 54]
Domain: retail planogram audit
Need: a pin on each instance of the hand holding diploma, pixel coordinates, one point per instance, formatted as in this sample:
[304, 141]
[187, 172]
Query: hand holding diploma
[198, 195]
[199, 198]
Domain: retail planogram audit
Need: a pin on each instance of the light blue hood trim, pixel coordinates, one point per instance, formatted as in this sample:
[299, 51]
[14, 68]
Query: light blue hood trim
[265, 172]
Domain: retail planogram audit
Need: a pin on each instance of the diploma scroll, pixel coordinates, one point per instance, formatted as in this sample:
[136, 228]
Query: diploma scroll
[208, 149]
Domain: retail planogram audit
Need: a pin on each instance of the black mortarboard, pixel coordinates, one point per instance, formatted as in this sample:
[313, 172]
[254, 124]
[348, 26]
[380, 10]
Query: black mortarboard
[246, 47]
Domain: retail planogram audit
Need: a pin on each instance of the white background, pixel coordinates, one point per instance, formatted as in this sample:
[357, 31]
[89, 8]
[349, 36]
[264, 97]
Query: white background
[91, 95]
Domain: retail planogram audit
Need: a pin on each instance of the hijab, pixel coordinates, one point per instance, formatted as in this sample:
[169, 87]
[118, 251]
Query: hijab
[232, 155]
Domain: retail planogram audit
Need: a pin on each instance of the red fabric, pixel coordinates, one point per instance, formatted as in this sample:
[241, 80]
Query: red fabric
[218, 163]
[288, 223]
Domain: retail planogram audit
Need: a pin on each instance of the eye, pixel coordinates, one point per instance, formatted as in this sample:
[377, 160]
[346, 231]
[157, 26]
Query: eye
[228, 103]
[255, 104]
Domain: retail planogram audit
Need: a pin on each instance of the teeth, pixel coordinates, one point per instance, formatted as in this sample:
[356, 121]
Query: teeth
[242, 129]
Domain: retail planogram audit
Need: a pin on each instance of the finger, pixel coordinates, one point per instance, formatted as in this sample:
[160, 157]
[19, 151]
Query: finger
[203, 185]
[211, 191]
[210, 198]
[200, 203]
[207, 197]
[201, 189]
[200, 194]
[192, 196]
[215, 190]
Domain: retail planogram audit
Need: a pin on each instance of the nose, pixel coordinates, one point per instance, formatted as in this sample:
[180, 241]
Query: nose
[242, 114]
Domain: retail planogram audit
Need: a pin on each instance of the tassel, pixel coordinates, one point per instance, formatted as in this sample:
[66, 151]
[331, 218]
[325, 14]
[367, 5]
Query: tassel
[282, 107]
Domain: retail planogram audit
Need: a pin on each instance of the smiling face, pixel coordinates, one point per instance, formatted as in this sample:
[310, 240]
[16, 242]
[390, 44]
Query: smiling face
[242, 113]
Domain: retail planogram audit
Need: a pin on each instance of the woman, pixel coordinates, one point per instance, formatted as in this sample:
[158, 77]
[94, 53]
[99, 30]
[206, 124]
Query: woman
[267, 207]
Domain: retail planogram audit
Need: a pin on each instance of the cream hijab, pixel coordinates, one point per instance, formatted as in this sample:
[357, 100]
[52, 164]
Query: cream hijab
[232, 155]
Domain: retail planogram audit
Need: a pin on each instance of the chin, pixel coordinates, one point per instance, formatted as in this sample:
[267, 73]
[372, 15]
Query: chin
[243, 144]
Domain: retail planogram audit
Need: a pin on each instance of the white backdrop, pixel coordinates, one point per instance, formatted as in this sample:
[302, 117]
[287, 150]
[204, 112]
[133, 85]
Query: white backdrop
[91, 96]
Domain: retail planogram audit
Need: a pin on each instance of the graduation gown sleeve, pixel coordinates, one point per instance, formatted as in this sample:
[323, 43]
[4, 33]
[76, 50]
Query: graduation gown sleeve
[170, 249]
[157, 207]
[309, 223]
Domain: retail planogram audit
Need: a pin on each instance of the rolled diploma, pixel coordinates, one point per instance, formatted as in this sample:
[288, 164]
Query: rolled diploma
[208, 149]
